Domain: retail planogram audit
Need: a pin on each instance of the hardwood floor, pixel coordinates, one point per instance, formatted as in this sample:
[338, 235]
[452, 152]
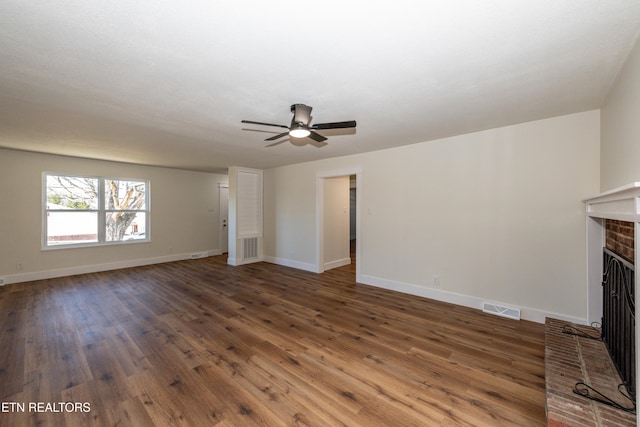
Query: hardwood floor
[200, 343]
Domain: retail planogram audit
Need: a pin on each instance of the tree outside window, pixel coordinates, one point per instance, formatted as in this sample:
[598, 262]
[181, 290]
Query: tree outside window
[93, 210]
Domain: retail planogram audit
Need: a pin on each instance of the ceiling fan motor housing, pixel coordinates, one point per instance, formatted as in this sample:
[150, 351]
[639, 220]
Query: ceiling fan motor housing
[301, 114]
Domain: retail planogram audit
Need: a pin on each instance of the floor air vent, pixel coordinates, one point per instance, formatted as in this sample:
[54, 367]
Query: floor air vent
[498, 310]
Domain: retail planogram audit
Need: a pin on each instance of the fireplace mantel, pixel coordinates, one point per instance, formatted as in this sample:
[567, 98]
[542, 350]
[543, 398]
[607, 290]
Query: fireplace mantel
[622, 203]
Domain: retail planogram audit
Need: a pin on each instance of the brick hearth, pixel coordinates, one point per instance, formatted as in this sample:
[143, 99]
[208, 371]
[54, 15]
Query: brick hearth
[570, 359]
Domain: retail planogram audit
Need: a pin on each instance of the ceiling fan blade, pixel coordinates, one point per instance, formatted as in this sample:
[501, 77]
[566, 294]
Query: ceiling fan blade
[265, 124]
[318, 144]
[301, 113]
[276, 143]
[335, 125]
[317, 137]
[273, 138]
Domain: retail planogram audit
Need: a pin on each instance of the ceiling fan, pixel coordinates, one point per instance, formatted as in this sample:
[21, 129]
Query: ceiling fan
[301, 126]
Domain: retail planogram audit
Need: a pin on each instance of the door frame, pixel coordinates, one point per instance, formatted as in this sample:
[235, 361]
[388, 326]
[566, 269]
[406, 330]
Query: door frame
[320, 180]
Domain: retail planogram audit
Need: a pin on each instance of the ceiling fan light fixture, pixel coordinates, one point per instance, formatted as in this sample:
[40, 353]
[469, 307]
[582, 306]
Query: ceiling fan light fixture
[300, 131]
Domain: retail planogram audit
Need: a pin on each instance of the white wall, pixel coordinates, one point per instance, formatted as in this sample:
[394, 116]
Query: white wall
[184, 217]
[620, 151]
[290, 216]
[497, 215]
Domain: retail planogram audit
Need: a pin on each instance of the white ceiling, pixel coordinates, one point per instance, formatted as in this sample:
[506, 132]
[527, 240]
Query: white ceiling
[166, 82]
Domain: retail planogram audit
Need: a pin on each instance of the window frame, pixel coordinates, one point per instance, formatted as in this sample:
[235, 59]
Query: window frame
[101, 212]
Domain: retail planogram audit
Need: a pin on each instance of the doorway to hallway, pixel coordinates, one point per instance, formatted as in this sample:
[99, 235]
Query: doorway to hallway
[338, 225]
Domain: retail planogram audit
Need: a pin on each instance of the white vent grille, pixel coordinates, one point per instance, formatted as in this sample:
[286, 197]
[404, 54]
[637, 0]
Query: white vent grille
[498, 310]
[250, 247]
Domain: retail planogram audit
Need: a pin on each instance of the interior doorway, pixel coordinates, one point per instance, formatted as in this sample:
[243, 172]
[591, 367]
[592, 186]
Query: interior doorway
[335, 247]
[353, 197]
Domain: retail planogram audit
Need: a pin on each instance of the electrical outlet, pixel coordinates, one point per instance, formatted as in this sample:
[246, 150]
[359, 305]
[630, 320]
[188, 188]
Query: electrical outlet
[1, 281]
[436, 280]
[19, 266]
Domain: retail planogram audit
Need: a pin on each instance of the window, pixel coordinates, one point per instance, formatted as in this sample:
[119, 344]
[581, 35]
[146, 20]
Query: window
[83, 210]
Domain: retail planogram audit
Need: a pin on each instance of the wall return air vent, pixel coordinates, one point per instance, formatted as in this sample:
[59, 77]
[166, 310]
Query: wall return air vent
[498, 310]
[250, 247]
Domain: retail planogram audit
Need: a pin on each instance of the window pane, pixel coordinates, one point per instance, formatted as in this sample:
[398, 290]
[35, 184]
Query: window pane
[71, 192]
[94, 210]
[124, 226]
[124, 195]
[72, 227]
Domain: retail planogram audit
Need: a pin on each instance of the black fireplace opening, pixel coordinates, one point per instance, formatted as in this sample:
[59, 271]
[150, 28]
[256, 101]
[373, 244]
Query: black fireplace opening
[618, 316]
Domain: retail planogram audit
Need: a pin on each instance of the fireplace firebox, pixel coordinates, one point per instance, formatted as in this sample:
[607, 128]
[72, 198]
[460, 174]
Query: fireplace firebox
[618, 316]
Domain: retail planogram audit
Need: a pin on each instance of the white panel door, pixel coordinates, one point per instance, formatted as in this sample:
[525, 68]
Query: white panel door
[223, 208]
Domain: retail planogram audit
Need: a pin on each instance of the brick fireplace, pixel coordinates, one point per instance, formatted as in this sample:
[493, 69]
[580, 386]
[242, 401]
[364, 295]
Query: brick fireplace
[613, 221]
[613, 218]
[578, 361]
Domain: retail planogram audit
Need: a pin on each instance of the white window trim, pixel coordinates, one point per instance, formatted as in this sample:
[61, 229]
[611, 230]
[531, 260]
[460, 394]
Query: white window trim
[101, 213]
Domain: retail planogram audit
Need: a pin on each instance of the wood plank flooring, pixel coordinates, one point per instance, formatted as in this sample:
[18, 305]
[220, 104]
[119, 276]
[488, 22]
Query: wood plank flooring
[200, 343]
